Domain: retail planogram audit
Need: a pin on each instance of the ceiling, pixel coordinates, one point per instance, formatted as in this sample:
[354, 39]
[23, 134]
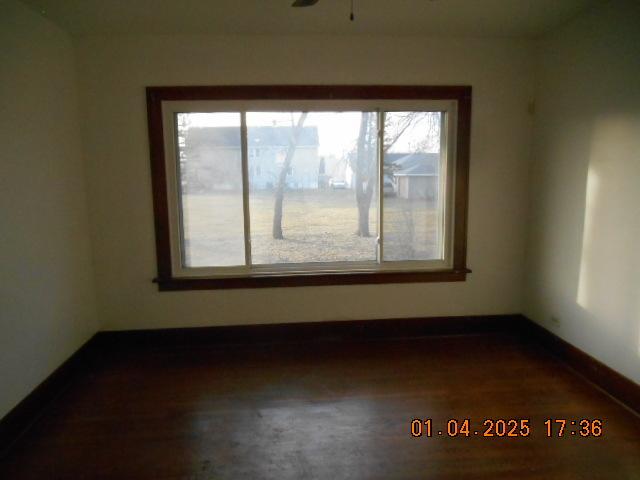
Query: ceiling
[514, 18]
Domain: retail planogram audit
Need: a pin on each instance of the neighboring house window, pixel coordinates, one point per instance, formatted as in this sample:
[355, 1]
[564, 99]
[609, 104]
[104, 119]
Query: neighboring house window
[354, 185]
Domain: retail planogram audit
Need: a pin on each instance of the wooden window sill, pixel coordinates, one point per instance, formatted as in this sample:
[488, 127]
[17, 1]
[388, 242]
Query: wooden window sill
[311, 279]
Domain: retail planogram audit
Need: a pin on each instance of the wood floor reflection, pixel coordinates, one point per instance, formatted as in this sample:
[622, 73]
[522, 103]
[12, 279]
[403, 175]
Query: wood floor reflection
[326, 410]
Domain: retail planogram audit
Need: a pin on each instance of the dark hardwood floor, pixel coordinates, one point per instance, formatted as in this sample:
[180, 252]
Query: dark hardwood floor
[326, 410]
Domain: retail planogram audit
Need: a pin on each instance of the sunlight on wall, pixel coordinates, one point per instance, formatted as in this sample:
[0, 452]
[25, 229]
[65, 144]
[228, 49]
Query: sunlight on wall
[593, 185]
[609, 283]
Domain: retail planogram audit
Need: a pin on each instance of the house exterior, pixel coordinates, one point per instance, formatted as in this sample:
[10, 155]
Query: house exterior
[416, 175]
[212, 158]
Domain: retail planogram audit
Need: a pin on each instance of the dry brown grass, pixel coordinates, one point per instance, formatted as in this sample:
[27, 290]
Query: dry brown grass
[318, 225]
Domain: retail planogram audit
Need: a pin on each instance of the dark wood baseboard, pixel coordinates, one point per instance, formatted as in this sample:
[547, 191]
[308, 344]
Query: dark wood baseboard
[113, 342]
[25, 413]
[618, 386]
[305, 332]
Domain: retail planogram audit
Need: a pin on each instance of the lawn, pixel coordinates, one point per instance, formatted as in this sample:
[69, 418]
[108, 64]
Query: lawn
[318, 226]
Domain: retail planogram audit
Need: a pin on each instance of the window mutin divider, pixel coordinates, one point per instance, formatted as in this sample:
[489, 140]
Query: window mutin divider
[442, 192]
[380, 155]
[177, 168]
[244, 153]
[166, 278]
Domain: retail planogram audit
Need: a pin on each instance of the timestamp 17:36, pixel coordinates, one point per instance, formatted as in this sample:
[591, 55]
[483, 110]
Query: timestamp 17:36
[522, 427]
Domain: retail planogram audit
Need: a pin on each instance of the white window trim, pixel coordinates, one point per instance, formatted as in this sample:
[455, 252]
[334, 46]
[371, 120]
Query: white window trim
[171, 107]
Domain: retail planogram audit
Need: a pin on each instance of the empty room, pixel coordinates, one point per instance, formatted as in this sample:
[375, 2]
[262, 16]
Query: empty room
[320, 239]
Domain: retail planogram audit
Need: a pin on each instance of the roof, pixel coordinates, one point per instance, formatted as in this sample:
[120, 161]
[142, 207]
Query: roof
[256, 136]
[391, 158]
[415, 163]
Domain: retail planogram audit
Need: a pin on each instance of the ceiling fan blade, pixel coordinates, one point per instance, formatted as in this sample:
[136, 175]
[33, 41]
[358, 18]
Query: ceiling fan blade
[304, 3]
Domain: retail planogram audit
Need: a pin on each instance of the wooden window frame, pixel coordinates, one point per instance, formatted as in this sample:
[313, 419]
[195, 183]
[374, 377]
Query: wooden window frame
[168, 282]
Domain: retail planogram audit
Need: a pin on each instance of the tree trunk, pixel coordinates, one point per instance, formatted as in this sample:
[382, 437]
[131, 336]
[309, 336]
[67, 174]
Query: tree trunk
[276, 231]
[363, 219]
[366, 169]
[363, 181]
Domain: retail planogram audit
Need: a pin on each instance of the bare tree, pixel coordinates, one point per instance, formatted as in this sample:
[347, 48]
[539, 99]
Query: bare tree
[431, 122]
[364, 168]
[393, 129]
[282, 179]
[363, 159]
[184, 150]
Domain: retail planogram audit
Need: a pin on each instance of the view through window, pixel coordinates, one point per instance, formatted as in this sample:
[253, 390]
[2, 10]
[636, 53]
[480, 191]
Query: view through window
[313, 187]
[291, 185]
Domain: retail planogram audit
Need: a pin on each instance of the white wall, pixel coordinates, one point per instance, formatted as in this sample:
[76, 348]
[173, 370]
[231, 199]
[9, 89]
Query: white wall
[584, 249]
[47, 308]
[114, 72]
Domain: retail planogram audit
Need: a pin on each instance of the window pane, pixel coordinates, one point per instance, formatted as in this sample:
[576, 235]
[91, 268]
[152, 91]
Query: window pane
[210, 157]
[413, 203]
[313, 186]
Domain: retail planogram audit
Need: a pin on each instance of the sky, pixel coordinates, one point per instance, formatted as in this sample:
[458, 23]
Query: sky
[337, 131]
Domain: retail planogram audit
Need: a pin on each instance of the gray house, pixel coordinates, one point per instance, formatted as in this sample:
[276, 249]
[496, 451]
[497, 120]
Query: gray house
[213, 156]
[415, 175]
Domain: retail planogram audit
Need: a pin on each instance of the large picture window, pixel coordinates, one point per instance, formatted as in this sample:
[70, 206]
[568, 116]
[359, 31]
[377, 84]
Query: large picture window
[286, 186]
